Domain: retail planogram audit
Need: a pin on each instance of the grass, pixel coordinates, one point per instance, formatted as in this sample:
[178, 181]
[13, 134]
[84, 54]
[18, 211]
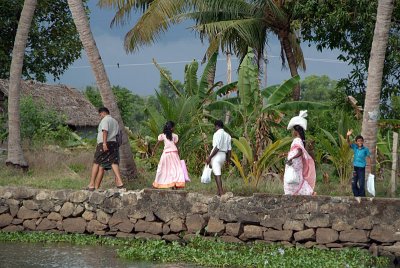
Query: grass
[57, 168]
[212, 253]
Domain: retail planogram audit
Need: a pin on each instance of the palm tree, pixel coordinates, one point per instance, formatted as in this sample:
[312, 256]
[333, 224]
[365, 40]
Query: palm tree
[229, 25]
[127, 166]
[375, 71]
[15, 154]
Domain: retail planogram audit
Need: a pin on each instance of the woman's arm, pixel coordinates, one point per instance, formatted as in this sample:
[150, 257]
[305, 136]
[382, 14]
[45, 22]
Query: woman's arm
[298, 154]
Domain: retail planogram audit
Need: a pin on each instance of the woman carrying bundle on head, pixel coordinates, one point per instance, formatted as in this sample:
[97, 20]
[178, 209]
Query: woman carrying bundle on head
[299, 178]
[169, 171]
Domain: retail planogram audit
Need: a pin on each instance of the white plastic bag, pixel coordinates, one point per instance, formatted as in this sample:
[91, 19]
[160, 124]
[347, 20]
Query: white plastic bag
[206, 176]
[371, 184]
[290, 176]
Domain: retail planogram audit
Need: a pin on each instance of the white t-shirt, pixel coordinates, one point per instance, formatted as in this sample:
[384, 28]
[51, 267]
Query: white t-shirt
[222, 141]
[110, 125]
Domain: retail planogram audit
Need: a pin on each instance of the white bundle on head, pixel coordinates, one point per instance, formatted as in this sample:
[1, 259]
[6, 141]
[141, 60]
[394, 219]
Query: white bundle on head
[299, 120]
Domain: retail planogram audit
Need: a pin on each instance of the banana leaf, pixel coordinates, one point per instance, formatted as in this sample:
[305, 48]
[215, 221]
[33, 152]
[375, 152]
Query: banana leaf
[276, 96]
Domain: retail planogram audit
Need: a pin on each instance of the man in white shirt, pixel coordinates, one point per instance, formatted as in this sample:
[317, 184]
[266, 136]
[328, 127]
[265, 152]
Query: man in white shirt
[221, 152]
[107, 151]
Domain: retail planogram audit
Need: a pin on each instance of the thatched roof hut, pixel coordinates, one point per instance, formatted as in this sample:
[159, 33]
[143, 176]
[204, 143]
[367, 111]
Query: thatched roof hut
[66, 100]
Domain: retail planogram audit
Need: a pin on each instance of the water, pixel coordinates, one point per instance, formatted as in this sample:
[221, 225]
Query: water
[21, 255]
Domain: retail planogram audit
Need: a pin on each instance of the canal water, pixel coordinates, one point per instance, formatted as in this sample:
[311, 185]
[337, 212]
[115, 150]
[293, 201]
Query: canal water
[21, 255]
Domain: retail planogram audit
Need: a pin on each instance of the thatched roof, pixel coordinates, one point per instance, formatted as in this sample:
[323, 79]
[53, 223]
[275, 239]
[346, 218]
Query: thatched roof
[66, 100]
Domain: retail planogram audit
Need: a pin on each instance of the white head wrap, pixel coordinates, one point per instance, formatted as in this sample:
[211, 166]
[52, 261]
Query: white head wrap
[299, 120]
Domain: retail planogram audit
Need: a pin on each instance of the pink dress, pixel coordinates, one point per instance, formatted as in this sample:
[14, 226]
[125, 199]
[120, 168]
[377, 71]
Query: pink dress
[304, 167]
[169, 171]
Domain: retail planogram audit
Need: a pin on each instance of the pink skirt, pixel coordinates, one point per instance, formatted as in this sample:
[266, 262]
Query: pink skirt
[169, 172]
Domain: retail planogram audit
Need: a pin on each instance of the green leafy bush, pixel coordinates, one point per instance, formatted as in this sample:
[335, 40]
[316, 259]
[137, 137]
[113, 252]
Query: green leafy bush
[36, 115]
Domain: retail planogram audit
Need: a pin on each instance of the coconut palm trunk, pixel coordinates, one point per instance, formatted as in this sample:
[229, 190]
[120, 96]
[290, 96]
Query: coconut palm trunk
[127, 164]
[287, 48]
[375, 71]
[15, 154]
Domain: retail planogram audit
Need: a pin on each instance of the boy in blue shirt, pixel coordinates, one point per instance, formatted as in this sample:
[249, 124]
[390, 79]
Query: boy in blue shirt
[362, 161]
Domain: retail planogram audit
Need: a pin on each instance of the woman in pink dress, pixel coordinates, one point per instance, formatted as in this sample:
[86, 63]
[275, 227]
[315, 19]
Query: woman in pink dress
[299, 161]
[169, 171]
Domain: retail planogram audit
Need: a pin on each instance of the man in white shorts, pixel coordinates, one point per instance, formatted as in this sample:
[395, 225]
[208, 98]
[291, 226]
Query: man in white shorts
[221, 152]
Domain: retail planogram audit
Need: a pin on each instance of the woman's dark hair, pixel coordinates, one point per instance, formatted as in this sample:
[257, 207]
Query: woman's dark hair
[168, 129]
[300, 130]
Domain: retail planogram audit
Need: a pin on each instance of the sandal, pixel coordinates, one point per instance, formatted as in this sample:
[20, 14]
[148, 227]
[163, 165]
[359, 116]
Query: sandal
[90, 189]
[121, 186]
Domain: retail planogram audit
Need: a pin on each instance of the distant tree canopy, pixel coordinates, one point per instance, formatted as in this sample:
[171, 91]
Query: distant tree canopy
[53, 42]
[131, 106]
[317, 88]
[349, 25]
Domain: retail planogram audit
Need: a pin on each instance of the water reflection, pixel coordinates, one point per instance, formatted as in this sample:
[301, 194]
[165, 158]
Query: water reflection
[23, 255]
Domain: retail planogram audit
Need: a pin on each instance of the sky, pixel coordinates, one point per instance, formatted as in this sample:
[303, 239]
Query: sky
[173, 50]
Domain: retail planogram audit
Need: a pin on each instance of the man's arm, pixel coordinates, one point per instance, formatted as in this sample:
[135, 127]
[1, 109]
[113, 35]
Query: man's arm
[214, 152]
[105, 147]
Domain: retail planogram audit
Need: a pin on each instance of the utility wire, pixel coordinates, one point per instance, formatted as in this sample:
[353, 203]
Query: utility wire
[119, 65]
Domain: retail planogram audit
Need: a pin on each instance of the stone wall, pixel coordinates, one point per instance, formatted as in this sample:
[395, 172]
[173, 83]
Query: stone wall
[323, 222]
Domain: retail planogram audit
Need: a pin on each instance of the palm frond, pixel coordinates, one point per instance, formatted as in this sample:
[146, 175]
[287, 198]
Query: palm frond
[191, 86]
[168, 78]
[210, 68]
[297, 51]
[159, 16]
[124, 8]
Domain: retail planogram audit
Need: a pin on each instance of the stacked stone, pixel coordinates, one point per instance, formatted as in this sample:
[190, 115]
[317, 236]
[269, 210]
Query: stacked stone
[301, 221]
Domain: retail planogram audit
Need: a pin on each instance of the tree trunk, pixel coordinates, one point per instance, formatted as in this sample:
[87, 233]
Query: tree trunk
[374, 81]
[15, 154]
[210, 80]
[287, 47]
[127, 164]
[228, 81]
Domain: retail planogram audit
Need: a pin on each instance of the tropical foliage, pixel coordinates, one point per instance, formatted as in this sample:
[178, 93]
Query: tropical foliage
[53, 42]
[230, 25]
[269, 161]
[189, 109]
[339, 153]
[349, 27]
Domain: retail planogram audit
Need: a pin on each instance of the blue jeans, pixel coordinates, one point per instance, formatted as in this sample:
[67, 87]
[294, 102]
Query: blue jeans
[358, 182]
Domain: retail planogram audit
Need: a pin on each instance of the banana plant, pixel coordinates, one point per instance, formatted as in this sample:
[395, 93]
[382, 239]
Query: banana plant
[271, 156]
[339, 153]
[193, 87]
[247, 103]
[275, 99]
[190, 109]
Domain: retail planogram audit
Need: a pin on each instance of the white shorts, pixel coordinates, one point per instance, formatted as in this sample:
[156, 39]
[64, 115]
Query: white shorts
[217, 163]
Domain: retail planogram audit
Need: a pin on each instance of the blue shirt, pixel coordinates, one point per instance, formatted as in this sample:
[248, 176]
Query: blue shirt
[360, 155]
